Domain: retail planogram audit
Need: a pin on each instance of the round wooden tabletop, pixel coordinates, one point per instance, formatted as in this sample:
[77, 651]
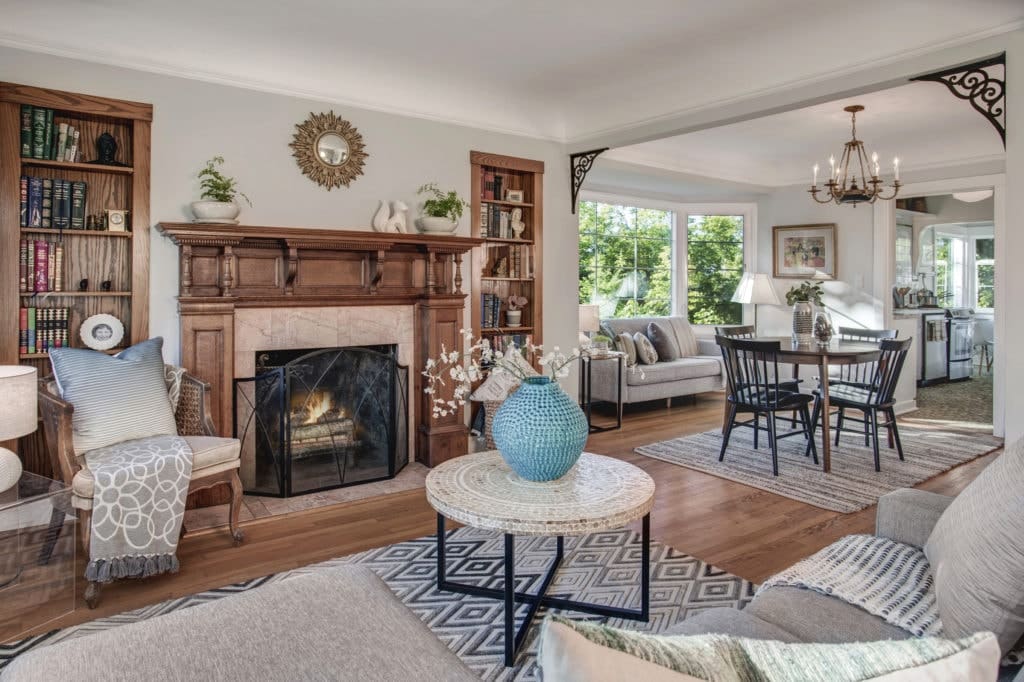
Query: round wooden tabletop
[836, 352]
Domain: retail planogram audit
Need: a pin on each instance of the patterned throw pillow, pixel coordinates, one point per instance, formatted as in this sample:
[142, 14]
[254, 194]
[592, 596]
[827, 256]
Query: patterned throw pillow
[116, 398]
[645, 351]
[664, 340]
[498, 385]
[565, 656]
[624, 344]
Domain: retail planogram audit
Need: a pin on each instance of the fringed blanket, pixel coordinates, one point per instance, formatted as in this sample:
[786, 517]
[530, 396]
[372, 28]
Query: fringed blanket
[887, 579]
[138, 505]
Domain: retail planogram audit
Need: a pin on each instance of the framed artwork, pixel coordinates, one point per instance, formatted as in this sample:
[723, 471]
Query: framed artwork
[804, 251]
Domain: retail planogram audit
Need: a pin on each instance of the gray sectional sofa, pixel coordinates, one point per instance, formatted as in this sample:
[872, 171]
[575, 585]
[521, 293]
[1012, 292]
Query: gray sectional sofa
[697, 372]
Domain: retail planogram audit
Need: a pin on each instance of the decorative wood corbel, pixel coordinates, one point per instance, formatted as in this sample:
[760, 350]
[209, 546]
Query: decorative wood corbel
[579, 165]
[983, 84]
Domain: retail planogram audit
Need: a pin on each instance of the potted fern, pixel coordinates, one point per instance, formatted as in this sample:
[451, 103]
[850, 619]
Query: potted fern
[217, 200]
[441, 211]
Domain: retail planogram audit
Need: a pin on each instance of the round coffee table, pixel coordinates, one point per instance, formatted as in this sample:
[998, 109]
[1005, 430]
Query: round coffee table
[599, 493]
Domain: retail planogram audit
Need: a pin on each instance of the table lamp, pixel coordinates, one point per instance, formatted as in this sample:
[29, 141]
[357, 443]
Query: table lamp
[590, 321]
[18, 416]
[755, 288]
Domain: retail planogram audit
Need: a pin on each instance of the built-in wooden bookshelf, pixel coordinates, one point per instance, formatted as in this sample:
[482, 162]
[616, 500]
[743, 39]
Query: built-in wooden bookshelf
[509, 261]
[122, 258]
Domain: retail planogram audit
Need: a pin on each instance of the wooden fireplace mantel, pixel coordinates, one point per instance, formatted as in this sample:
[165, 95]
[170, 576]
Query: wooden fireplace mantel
[226, 267]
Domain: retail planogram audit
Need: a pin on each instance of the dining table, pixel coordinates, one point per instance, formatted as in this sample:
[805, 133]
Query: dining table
[836, 352]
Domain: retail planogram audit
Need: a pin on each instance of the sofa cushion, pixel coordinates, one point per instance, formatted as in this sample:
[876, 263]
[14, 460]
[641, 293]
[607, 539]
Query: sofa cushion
[646, 354]
[624, 344]
[116, 398]
[814, 617]
[677, 370]
[977, 553]
[735, 622]
[686, 340]
[307, 627]
[207, 452]
[664, 339]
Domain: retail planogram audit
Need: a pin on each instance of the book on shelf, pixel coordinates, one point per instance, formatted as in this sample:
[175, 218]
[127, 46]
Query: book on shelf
[490, 311]
[71, 153]
[26, 130]
[78, 196]
[46, 213]
[35, 202]
[62, 140]
[23, 209]
[38, 132]
[40, 329]
[40, 266]
[56, 203]
[44, 138]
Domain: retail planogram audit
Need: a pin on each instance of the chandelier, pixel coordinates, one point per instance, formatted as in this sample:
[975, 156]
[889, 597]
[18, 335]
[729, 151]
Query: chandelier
[848, 181]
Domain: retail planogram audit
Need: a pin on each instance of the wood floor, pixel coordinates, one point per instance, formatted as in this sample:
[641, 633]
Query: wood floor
[745, 531]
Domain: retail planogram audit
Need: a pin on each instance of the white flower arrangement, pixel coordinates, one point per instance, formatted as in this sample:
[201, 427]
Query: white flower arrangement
[464, 368]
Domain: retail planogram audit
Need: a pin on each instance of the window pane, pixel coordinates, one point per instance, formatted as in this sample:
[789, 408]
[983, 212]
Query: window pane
[985, 249]
[715, 266]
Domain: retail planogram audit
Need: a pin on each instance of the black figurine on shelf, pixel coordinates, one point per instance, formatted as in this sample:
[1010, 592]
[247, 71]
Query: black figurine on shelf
[83, 285]
[105, 285]
[106, 151]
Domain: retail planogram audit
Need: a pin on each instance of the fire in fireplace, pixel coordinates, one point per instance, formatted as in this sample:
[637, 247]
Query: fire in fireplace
[317, 419]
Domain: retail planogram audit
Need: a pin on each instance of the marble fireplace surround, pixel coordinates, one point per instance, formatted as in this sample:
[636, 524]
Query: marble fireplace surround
[263, 329]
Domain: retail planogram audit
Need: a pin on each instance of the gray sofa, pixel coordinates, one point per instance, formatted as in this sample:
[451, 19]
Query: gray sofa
[686, 376]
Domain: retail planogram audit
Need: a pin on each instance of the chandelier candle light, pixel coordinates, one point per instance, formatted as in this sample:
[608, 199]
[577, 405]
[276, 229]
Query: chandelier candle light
[842, 186]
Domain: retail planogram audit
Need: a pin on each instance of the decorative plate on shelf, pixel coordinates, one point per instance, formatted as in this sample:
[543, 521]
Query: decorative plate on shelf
[101, 332]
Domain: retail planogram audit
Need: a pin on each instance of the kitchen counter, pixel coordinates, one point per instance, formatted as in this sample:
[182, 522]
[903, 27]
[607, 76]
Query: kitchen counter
[911, 312]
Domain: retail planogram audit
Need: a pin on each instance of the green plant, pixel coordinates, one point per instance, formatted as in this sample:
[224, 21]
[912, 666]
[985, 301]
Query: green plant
[805, 292]
[216, 186]
[442, 204]
[601, 338]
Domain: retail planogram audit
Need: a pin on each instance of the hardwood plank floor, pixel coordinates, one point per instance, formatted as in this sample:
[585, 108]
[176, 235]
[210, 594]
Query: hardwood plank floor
[745, 531]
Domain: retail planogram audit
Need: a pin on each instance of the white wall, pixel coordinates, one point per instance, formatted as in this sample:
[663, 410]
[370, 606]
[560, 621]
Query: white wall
[193, 121]
[1010, 327]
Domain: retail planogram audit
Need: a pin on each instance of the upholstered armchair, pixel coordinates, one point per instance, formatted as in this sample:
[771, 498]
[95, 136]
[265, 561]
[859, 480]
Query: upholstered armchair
[215, 460]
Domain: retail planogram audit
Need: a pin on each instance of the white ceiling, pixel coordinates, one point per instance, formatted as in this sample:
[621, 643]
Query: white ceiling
[921, 123]
[561, 69]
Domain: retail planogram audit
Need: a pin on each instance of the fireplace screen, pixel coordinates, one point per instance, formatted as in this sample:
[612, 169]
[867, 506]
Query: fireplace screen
[313, 420]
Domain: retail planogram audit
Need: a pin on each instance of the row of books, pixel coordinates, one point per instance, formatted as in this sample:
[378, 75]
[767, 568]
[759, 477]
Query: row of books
[495, 222]
[41, 138]
[40, 266]
[53, 203]
[509, 260]
[41, 329]
[491, 186]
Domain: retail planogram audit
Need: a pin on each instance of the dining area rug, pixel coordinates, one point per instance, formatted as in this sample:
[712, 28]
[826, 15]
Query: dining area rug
[853, 483]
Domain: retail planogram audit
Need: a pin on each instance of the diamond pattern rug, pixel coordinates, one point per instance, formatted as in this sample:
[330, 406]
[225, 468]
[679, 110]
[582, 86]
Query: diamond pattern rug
[602, 567]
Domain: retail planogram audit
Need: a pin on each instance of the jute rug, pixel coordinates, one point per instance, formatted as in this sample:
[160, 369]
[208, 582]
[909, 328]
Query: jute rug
[853, 483]
[603, 567]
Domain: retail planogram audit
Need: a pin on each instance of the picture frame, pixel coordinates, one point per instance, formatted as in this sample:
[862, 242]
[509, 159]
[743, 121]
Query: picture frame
[515, 195]
[101, 332]
[805, 251]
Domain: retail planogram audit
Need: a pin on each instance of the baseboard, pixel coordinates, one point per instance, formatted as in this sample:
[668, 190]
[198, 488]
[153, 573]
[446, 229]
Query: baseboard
[905, 406]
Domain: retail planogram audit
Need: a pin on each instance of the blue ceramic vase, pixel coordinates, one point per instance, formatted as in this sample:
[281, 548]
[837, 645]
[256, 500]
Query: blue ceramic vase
[540, 431]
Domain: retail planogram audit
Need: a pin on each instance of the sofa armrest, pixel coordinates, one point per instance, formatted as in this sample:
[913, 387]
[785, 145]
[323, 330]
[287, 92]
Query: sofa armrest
[708, 347]
[908, 515]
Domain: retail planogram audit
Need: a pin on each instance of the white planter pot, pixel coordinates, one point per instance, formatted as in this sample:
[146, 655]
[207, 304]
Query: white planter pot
[434, 224]
[223, 212]
[513, 318]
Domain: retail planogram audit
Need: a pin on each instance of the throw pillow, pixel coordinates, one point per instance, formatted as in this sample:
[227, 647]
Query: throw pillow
[664, 340]
[173, 376]
[685, 338]
[976, 552]
[116, 398]
[624, 344]
[645, 352]
[721, 658]
[498, 385]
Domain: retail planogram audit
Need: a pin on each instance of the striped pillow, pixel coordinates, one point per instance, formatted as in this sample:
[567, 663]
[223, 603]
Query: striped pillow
[116, 398]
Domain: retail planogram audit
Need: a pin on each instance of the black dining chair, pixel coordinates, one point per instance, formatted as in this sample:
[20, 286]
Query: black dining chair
[860, 374]
[750, 332]
[874, 399]
[752, 371]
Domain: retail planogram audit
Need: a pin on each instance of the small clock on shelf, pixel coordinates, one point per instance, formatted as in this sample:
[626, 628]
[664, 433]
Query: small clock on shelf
[117, 220]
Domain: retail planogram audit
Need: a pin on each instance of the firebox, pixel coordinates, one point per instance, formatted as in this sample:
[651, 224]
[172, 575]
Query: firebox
[317, 419]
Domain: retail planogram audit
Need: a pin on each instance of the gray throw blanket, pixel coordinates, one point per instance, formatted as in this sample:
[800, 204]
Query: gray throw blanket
[138, 505]
[885, 578]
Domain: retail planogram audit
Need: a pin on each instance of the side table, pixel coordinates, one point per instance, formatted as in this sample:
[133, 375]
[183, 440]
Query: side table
[599, 493]
[586, 381]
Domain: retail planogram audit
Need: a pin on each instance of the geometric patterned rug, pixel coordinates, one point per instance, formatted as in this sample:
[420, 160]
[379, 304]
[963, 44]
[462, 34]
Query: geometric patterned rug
[853, 483]
[601, 567]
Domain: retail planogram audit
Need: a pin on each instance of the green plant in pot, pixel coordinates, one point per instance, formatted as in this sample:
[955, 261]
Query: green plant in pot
[441, 210]
[217, 198]
[803, 297]
[601, 342]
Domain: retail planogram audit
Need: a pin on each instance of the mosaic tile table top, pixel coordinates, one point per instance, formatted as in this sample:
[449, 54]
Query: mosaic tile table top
[599, 493]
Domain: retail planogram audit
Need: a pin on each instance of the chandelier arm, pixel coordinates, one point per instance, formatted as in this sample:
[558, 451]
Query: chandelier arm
[814, 195]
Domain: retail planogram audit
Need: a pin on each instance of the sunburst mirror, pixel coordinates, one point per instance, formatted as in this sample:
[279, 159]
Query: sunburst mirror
[329, 150]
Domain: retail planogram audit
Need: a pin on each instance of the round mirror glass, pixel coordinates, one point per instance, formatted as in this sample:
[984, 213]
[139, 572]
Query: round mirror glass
[332, 149]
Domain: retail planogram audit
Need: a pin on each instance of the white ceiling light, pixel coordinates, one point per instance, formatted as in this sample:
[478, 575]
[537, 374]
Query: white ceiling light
[971, 197]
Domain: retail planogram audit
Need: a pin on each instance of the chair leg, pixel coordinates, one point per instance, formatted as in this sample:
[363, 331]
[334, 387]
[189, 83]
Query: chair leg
[815, 416]
[52, 535]
[92, 594]
[894, 429]
[792, 419]
[839, 424]
[867, 430]
[774, 442]
[812, 449]
[873, 419]
[757, 428]
[728, 430]
[236, 507]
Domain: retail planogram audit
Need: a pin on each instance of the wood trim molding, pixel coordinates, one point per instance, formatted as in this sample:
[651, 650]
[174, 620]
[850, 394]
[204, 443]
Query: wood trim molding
[510, 162]
[224, 268]
[78, 102]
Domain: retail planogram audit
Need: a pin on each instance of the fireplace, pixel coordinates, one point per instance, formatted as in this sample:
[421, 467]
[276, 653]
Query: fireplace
[317, 419]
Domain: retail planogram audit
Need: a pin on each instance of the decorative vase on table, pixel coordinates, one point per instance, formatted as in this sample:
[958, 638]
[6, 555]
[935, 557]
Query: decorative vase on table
[823, 328]
[540, 431]
[803, 322]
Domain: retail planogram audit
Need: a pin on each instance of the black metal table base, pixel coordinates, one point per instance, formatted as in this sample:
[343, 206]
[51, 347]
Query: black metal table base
[514, 638]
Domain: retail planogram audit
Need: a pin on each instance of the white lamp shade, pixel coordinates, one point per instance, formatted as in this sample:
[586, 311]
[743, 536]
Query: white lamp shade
[755, 287]
[590, 317]
[18, 401]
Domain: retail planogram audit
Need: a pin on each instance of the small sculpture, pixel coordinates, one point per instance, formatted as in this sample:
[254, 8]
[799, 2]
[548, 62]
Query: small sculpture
[106, 151]
[501, 269]
[380, 218]
[516, 222]
[390, 221]
[83, 284]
